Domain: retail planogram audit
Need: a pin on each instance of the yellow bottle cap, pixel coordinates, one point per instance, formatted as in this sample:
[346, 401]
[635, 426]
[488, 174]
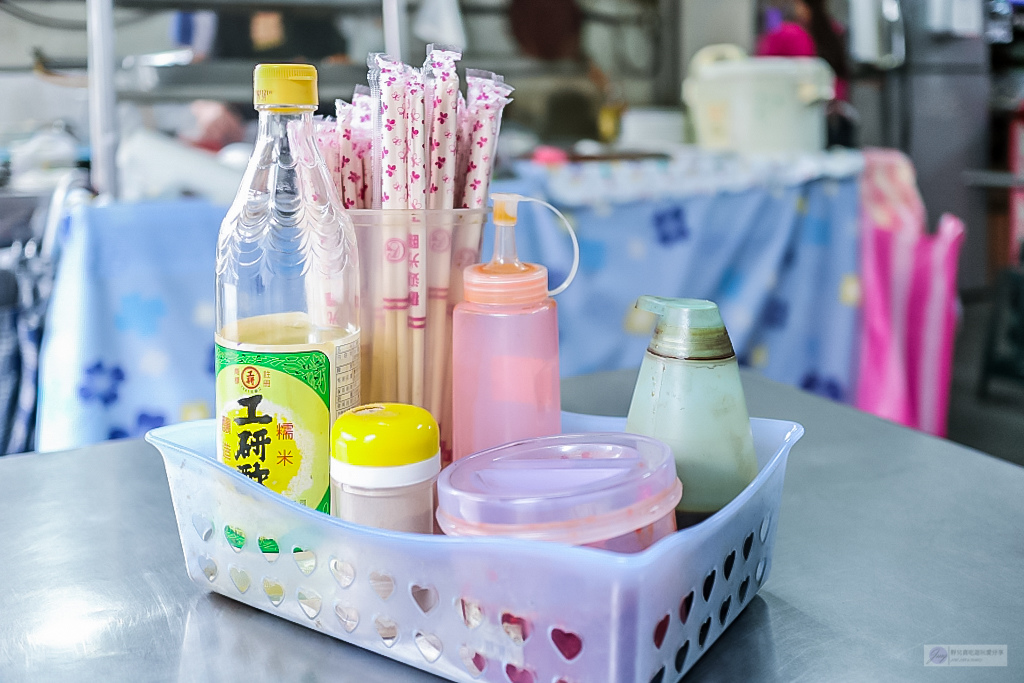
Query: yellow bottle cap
[384, 435]
[285, 84]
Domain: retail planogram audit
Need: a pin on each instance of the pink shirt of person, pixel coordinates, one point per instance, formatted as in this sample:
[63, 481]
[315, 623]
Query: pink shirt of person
[792, 40]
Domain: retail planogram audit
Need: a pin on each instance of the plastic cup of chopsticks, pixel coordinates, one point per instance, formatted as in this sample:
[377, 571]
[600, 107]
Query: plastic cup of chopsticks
[411, 265]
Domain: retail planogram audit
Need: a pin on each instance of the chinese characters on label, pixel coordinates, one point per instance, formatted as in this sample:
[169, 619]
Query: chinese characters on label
[251, 436]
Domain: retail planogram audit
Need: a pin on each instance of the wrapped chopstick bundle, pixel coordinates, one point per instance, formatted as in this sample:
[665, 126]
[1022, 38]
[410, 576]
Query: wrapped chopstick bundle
[488, 96]
[350, 166]
[389, 80]
[462, 147]
[324, 132]
[415, 104]
[442, 88]
[442, 114]
[394, 181]
[362, 139]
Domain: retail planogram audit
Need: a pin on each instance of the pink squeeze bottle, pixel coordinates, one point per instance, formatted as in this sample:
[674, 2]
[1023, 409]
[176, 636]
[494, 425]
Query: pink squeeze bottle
[505, 384]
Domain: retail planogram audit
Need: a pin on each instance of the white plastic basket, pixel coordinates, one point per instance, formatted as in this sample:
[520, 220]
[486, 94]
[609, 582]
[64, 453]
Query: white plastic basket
[472, 609]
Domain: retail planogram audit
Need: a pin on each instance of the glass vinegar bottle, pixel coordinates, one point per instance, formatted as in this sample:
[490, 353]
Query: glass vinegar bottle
[287, 339]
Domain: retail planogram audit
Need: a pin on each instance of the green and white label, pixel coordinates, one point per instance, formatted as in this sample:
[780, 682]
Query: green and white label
[276, 409]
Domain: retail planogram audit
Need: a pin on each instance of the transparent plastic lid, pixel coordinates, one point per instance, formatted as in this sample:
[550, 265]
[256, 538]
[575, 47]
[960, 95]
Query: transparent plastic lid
[574, 488]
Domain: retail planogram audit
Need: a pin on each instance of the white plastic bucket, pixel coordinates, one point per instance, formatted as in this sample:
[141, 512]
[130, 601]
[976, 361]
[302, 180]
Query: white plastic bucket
[759, 105]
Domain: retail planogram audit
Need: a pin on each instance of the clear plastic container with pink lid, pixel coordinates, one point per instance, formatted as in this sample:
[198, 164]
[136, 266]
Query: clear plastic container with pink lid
[608, 490]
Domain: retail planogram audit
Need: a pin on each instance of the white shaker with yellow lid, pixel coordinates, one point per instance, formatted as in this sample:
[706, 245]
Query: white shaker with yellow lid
[385, 459]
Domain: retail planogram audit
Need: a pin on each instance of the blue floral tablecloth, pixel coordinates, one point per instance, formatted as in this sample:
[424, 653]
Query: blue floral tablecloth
[774, 243]
[129, 334]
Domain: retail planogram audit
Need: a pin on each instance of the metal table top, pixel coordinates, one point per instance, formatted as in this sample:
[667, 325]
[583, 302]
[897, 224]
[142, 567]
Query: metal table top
[888, 540]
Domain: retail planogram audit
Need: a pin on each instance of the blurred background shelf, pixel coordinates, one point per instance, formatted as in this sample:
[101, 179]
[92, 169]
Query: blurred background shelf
[230, 80]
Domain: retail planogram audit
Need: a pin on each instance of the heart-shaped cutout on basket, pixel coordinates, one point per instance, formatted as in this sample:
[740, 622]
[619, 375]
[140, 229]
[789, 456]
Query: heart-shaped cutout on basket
[344, 572]
[274, 591]
[517, 628]
[269, 548]
[709, 584]
[568, 643]
[425, 597]
[684, 607]
[517, 675]
[729, 562]
[348, 616]
[387, 629]
[743, 589]
[305, 559]
[203, 526]
[208, 567]
[705, 628]
[474, 662]
[309, 601]
[382, 584]
[681, 656]
[240, 578]
[472, 613]
[659, 632]
[429, 646]
[236, 538]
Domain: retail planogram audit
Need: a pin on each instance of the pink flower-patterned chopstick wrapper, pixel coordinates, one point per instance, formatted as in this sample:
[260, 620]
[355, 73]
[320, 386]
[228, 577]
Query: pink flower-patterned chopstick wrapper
[350, 167]
[488, 95]
[443, 89]
[394, 180]
[326, 141]
[362, 132]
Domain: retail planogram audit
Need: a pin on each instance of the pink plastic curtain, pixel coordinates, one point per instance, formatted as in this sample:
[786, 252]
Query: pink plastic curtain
[910, 298]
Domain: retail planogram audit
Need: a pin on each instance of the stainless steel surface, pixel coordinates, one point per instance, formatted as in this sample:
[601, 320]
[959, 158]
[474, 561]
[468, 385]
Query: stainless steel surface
[949, 115]
[94, 587]
[1007, 91]
[996, 180]
[102, 105]
[71, 190]
[230, 80]
[876, 33]
[946, 86]
[926, 49]
[887, 540]
[394, 15]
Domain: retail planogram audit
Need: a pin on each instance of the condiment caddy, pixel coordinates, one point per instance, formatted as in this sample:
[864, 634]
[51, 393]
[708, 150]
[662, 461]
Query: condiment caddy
[488, 602]
[468, 609]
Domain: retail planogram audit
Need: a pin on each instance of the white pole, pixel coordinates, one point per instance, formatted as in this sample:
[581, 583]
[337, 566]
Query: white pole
[394, 17]
[102, 98]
